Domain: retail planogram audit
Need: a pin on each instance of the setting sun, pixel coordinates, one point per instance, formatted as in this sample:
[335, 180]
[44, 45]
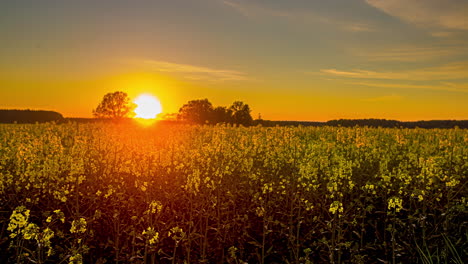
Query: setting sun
[148, 106]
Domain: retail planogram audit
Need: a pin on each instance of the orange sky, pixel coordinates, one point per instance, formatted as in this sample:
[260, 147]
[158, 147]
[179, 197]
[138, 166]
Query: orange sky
[289, 60]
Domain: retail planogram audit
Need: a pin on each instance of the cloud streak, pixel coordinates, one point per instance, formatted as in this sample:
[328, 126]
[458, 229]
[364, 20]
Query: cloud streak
[448, 77]
[448, 14]
[302, 16]
[452, 71]
[252, 10]
[412, 54]
[358, 27]
[451, 87]
[194, 72]
[385, 98]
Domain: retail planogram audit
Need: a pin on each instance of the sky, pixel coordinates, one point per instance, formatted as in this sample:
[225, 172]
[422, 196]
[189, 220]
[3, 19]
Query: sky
[310, 60]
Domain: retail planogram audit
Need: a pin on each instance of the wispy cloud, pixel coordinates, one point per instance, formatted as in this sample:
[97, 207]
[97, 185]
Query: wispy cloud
[452, 87]
[448, 77]
[452, 71]
[358, 27]
[385, 98]
[412, 54]
[456, 86]
[449, 14]
[250, 9]
[442, 34]
[195, 72]
[300, 15]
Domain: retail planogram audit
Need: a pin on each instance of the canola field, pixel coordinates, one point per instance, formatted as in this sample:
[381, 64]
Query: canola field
[123, 193]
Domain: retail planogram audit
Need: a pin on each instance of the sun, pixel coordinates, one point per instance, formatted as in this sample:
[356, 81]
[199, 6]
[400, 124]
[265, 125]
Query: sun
[148, 106]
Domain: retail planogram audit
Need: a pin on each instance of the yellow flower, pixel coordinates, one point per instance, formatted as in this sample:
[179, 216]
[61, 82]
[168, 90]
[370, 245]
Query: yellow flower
[153, 236]
[335, 207]
[76, 259]
[260, 211]
[395, 203]
[155, 207]
[78, 226]
[31, 231]
[420, 197]
[60, 215]
[18, 220]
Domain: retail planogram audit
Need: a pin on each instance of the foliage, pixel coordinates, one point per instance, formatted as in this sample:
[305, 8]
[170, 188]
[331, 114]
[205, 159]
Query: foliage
[114, 105]
[95, 193]
[222, 114]
[196, 111]
[202, 112]
[29, 116]
[241, 113]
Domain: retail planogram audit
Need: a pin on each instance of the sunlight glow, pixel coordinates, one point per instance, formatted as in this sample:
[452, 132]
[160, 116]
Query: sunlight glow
[148, 106]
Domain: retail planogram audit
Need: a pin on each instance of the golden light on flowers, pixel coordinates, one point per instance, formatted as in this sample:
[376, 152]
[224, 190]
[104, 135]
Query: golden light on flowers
[148, 106]
[170, 176]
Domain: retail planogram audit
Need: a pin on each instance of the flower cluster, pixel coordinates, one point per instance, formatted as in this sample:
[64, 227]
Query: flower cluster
[78, 226]
[395, 204]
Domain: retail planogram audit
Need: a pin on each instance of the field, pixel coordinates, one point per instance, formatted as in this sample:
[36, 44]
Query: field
[110, 193]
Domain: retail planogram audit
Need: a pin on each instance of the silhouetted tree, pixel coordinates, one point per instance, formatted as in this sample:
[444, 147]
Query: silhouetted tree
[241, 113]
[196, 111]
[114, 105]
[222, 115]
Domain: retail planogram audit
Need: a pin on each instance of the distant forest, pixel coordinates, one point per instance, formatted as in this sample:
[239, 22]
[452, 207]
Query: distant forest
[29, 116]
[372, 123]
[395, 123]
[41, 116]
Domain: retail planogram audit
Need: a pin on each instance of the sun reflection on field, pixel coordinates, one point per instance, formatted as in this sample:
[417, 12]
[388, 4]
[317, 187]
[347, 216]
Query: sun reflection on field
[146, 121]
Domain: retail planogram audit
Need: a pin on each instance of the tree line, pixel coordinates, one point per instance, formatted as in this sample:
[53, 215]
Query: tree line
[203, 112]
[117, 105]
[371, 122]
[29, 116]
[397, 124]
